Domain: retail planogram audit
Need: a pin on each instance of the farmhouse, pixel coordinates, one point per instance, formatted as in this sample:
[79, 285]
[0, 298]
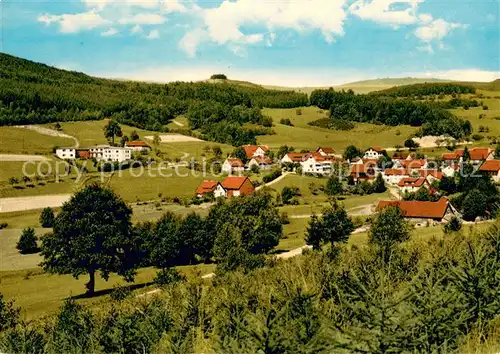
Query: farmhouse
[398, 156]
[411, 185]
[430, 174]
[317, 164]
[326, 151]
[232, 165]
[66, 153]
[440, 210]
[373, 153]
[137, 145]
[392, 176]
[412, 165]
[237, 186]
[293, 157]
[477, 156]
[363, 172]
[262, 162]
[255, 150]
[210, 187]
[110, 153]
[491, 168]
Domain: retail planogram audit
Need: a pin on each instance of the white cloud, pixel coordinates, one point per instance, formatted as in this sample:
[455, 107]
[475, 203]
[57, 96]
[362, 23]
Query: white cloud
[143, 19]
[110, 32]
[464, 75]
[189, 43]
[101, 4]
[382, 11]
[224, 23]
[173, 6]
[436, 30]
[72, 23]
[153, 34]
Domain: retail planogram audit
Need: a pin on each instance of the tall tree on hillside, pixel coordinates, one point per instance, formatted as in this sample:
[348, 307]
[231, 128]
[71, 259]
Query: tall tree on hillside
[240, 153]
[351, 152]
[134, 135]
[92, 233]
[333, 227]
[111, 130]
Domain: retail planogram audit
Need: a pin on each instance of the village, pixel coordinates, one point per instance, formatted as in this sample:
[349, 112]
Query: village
[404, 173]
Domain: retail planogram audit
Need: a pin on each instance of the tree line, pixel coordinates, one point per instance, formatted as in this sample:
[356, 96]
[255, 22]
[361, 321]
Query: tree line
[426, 89]
[385, 295]
[433, 120]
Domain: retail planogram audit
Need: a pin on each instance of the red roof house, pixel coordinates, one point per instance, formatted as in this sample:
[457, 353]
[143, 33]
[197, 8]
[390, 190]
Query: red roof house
[410, 184]
[255, 150]
[237, 186]
[420, 209]
[492, 168]
[206, 187]
[137, 145]
[326, 151]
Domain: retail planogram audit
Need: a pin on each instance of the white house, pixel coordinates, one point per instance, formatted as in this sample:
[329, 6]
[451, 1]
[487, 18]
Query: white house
[373, 153]
[66, 153]
[255, 150]
[232, 165]
[326, 151]
[110, 153]
[412, 185]
[262, 162]
[293, 157]
[317, 164]
[393, 176]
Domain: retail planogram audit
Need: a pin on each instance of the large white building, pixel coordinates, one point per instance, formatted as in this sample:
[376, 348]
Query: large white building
[110, 153]
[66, 153]
[317, 164]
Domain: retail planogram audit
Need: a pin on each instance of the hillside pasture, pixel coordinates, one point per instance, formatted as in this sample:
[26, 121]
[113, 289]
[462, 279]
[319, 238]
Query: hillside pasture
[306, 137]
[24, 141]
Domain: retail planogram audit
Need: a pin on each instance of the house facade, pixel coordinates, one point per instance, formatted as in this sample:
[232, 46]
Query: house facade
[411, 184]
[326, 151]
[255, 150]
[316, 164]
[66, 153]
[393, 176]
[491, 168]
[373, 153]
[233, 165]
[418, 211]
[293, 157]
[110, 153]
[262, 162]
[137, 145]
[235, 186]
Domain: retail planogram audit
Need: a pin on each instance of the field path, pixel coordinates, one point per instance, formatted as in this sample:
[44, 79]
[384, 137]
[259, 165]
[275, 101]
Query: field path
[21, 158]
[50, 132]
[274, 180]
[177, 123]
[36, 202]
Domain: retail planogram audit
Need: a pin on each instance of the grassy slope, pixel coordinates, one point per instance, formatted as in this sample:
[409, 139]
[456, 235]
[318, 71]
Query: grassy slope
[24, 141]
[303, 136]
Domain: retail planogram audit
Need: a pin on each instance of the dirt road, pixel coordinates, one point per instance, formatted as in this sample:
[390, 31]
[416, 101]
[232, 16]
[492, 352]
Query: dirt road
[37, 202]
[274, 180]
[50, 132]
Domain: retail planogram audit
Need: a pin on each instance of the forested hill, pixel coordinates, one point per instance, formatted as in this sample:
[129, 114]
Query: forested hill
[36, 93]
[426, 89]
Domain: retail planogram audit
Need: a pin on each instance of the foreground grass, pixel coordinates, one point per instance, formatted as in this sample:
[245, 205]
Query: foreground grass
[25, 141]
[39, 294]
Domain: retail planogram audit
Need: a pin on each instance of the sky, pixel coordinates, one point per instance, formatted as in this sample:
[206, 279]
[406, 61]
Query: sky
[272, 42]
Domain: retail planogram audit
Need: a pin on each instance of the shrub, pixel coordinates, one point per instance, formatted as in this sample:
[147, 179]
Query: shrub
[120, 292]
[47, 217]
[27, 242]
[298, 111]
[271, 176]
[168, 276]
[288, 194]
[453, 225]
[286, 121]
[477, 137]
[3, 225]
[218, 77]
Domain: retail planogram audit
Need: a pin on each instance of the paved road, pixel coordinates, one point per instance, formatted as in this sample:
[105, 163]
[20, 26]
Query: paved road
[28, 203]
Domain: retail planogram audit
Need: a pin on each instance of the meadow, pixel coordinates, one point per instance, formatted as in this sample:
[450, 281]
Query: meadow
[24, 141]
[306, 137]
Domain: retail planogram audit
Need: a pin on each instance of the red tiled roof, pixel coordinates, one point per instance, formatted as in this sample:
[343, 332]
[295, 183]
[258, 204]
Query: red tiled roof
[396, 172]
[478, 154]
[263, 160]
[376, 148]
[418, 209]
[318, 157]
[400, 156]
[412, 182]
[326, 150]
[371, 162]
[450, 156]
[490, 166]
[296, 156]
[207, 187]
[233, 162]
[233, 182]
[136, 143]
[416, 164]
[434, 173]
[251, 149]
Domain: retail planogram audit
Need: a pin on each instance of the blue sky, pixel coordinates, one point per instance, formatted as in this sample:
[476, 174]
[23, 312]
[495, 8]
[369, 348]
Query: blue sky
[281, 42]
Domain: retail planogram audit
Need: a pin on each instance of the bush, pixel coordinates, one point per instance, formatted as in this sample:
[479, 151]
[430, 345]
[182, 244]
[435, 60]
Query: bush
[477, 137]
[286, 121]
[288, 194]
[3, 225]
[453, 225]
[120, 293]
[271, 176]
[298, 111]
[218, 77]
[168, 276]
[47, 217]
[27, 242]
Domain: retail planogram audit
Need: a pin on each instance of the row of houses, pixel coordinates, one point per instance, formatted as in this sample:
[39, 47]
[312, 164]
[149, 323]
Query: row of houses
[104, 152]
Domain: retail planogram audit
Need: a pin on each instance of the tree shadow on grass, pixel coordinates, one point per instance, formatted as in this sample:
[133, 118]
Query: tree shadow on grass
[103, 292]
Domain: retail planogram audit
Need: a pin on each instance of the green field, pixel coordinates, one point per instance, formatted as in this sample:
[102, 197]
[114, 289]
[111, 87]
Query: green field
[25, 141]
[305, 137]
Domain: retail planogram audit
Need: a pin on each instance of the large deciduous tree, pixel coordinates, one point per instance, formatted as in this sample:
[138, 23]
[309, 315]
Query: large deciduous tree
[334, 226]
[92, 233]
[112, 129]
